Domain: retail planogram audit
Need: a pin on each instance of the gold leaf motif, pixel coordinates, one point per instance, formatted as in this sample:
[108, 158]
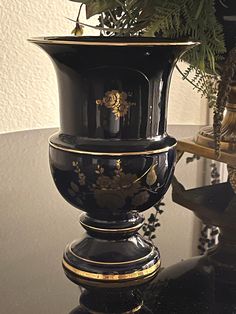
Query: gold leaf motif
[117, 101]
[151, 176]
[74, 187]
[109, 199]
[113, 191]
[140, 198]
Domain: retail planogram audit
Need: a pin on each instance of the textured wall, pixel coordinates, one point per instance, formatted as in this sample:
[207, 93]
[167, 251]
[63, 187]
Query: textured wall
[28, 90]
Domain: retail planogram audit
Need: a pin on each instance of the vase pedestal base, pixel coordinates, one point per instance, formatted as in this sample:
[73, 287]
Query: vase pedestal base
[111, 257]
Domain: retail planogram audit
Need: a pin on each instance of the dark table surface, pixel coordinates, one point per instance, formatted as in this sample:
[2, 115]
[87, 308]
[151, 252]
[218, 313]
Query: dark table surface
[36, 224]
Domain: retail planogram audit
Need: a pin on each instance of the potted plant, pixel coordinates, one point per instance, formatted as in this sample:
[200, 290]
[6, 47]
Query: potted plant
[210, 22]
[112, 157]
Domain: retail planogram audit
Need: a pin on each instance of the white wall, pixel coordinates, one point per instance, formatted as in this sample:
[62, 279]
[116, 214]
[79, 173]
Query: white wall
[28, 89]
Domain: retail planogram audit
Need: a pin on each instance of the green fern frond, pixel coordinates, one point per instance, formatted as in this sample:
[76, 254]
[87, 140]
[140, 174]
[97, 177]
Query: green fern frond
[176, 19]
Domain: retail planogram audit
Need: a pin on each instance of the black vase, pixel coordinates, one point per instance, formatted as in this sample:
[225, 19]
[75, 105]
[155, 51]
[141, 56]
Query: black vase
[112, 157]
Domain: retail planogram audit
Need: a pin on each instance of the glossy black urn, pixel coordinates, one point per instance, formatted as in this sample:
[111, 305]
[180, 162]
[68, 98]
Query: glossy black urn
[112, 157]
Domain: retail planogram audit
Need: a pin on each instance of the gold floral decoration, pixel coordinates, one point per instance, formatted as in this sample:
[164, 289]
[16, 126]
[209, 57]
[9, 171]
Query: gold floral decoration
[152, 176]
[140, 199]
[109, 199]
[117, 101]
[81, 175]
[113, 191]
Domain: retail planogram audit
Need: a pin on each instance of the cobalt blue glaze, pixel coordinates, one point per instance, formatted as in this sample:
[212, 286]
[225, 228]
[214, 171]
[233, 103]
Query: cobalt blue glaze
[112, 157]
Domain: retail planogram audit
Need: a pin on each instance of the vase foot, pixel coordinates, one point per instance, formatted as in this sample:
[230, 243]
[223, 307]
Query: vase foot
[111, 257]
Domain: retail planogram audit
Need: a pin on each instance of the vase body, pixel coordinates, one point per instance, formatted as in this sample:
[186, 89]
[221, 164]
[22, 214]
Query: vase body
[112, 157]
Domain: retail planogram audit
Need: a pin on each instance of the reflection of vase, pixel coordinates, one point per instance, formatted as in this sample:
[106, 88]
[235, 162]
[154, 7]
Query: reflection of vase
[191, 286]
[112, 157]
[108, 301]
[203, 284]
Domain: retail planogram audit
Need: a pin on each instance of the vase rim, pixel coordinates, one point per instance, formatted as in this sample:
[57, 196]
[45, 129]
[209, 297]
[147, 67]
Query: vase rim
[111, 41]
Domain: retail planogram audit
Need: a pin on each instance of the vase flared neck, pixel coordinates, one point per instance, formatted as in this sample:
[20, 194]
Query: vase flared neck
[113, 88]
[112, 41]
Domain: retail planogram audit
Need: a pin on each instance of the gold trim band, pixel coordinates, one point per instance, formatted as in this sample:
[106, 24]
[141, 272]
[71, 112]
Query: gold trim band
[109, 263]
[116, 284]
[136, 309]
[42, 40]
[113, 277]
[130, 229]
[83, 152]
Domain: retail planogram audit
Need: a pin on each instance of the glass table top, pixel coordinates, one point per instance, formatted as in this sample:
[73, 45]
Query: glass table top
[36, 225]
